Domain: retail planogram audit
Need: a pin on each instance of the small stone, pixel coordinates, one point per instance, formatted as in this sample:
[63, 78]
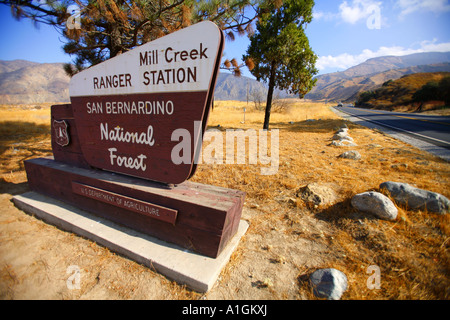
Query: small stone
[267, 283]
[375, 203]
[317, 194]
[345, 130]
[353, 155]
[328, 283]
[292, 201]
[342, 136]
[343, 143]
[398, 166]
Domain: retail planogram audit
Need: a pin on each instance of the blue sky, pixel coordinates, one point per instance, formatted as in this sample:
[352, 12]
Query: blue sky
[342, 33]
[346, 33]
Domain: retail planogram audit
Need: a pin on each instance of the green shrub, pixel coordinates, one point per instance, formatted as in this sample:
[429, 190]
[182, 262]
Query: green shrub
[434, 91]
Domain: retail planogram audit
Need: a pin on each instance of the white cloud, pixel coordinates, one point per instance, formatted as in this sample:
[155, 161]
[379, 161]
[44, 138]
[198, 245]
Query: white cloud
[345, 60]
[319, 15]
[410, 6]
[357, 10]
[432, 46]
[351, 12]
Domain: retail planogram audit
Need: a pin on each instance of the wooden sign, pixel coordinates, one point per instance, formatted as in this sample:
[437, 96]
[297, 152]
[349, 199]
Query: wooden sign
[130, 109]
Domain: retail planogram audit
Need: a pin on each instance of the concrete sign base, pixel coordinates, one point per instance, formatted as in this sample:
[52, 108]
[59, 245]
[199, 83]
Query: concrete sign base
[181, 265]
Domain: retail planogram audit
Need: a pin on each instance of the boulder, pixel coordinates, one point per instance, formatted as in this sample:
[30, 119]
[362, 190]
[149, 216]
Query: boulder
[400, 166]
[354, 155]
[328, 283]
[342, 130]
[415, 198]
[375, 203]
[317, 194]
[343, 143]
[342, 136]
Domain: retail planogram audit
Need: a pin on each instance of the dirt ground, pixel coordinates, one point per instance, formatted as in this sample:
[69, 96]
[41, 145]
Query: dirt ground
[288, 238]
[35, 258]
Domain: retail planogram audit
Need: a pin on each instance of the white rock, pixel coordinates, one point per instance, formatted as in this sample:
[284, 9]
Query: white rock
[354, 155]
[343, 143]
[375, 203]
[416, 198]
[342, 136]
[342, 130]
[328, 283]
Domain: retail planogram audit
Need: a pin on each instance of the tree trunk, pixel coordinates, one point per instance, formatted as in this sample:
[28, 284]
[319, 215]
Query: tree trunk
[269, 96]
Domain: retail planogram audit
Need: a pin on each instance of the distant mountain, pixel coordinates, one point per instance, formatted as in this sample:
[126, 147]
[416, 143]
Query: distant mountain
[372, 73]
[380, 64]
[229, 87]
[23, 82]
[8, 66]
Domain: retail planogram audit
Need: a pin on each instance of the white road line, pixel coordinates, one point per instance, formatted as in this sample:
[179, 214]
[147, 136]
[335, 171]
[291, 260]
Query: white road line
[399, 129]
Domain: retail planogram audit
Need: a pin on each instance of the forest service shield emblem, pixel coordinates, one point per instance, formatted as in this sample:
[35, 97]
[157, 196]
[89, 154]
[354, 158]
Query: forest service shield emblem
[61, 135]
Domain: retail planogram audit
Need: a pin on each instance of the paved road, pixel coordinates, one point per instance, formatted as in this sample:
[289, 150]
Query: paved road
[433, 129]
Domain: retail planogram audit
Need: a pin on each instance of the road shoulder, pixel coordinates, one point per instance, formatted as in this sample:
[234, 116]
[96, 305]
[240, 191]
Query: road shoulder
[442, 153]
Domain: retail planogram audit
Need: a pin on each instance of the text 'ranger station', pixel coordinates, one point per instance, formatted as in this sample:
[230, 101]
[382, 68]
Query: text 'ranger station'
[156, 77]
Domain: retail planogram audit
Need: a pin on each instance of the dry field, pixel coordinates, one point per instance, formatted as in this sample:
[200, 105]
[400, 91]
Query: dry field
[287, 239]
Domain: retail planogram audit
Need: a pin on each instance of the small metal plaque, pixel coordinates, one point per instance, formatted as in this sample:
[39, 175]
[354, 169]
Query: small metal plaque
[138, 206]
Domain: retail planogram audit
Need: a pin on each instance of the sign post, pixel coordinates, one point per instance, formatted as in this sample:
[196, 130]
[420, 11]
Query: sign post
[118, 151]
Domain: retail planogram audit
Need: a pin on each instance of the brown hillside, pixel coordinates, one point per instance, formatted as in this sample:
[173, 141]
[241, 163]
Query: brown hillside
[23, 83]
[398, 94]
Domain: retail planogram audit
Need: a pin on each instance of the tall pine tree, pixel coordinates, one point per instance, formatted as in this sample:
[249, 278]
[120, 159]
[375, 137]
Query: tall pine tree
[106, 28]
[280, 50]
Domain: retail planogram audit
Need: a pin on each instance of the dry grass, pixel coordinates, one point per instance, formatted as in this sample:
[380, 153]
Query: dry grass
[412, 251]
[231, 114]
[24, 134]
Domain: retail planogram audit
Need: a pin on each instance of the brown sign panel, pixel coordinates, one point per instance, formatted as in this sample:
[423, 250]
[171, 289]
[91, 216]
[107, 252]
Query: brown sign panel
[144, 112]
